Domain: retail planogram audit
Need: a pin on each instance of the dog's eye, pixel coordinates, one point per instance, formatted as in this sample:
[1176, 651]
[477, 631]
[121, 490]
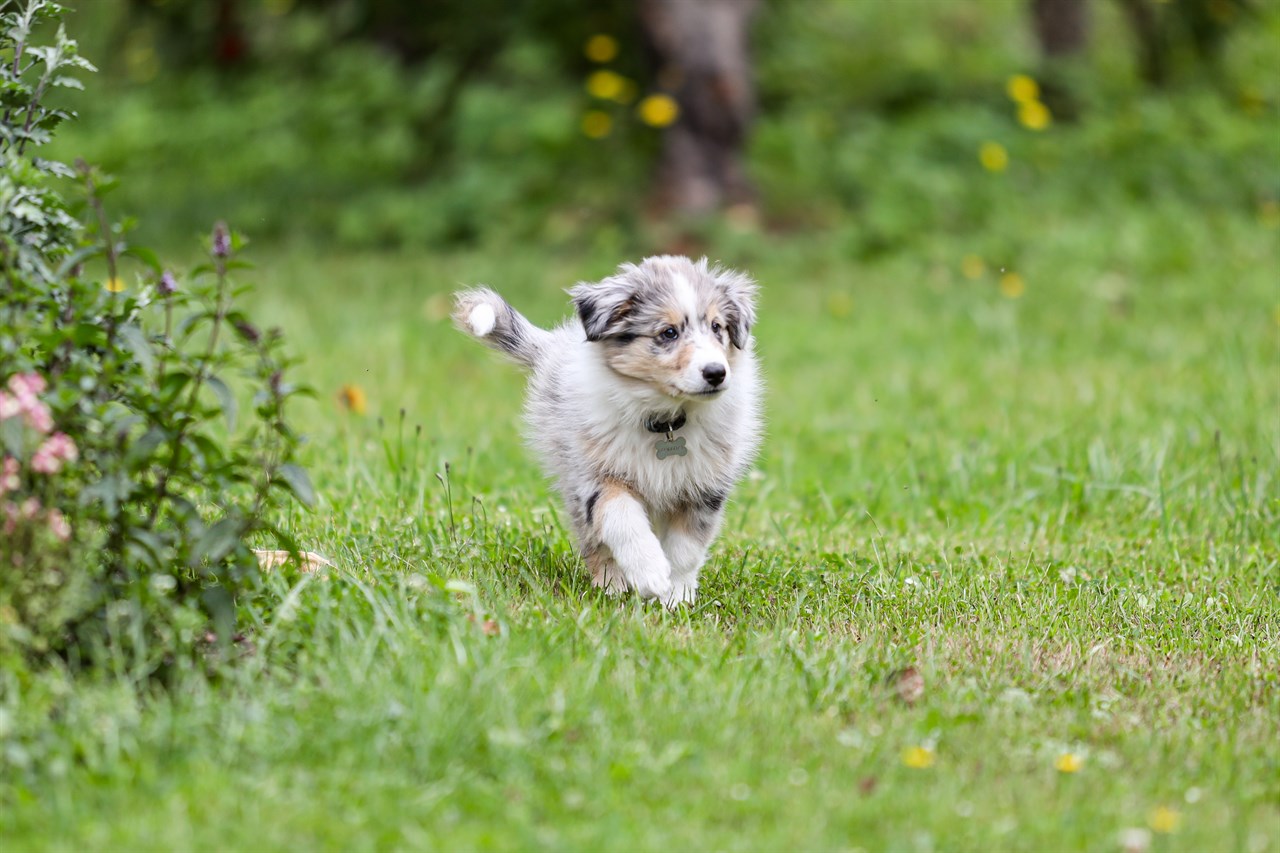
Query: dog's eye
[716, 327]
[670, 333]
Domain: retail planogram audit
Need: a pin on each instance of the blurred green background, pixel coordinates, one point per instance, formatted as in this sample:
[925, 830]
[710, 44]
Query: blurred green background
[880, 123]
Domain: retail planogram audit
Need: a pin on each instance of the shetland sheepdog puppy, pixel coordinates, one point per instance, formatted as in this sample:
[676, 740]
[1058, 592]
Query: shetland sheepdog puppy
[644, 409]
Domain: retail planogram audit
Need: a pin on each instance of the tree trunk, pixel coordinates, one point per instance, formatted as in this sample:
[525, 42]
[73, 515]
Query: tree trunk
[1062, 26]
[703, 61]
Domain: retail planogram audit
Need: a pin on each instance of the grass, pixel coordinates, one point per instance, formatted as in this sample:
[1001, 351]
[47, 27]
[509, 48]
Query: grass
[1059, 510]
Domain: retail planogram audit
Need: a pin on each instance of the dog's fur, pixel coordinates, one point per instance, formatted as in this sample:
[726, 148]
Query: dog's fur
[648, 344]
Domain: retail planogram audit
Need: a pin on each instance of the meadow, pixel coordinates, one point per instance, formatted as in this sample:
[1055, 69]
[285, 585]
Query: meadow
[1005, 576]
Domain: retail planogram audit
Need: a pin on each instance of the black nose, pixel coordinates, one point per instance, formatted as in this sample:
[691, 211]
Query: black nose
[714, 374]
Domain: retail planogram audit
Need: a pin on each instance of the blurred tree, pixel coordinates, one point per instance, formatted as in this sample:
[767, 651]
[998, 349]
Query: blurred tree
[1062, 26]
[702, 56]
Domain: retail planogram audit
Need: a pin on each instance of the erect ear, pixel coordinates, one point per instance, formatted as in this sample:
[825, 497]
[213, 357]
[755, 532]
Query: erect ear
[603, 307]
[739, 295]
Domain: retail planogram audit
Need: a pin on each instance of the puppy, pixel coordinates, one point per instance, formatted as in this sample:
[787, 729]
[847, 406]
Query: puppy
[645, 410]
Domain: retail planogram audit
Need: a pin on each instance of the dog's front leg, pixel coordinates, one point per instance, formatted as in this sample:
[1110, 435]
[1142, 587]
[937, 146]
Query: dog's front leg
[622, 525]
[689, 534]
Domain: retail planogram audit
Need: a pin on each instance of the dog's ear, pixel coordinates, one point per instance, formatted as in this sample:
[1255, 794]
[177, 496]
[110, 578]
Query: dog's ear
[739, 304]
[603, 307]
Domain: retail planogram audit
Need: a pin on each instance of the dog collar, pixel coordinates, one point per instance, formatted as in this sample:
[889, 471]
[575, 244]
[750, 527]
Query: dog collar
[669, 446]
[652, 424]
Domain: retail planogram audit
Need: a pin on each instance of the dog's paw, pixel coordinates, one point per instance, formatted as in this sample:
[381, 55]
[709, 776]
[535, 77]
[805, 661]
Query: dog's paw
[653, 586]
[682, 592]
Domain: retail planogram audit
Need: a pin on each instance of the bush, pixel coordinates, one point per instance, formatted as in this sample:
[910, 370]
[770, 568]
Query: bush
[130, 484]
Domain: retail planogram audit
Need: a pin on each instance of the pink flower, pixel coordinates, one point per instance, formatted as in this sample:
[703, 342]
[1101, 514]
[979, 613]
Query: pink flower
[27, 384]
[57, 448]
[59, 526]
[38, 417]
[30, 508]
[10, 406]
[9, 481]
[61, 446]
[10, 518]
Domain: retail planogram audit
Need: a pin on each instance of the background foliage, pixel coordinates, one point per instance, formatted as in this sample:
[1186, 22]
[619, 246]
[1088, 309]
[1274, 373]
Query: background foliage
[131, 486]
[872, 117]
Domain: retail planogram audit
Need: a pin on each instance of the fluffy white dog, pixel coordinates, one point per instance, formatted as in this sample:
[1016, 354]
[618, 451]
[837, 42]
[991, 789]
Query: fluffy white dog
[644, 410]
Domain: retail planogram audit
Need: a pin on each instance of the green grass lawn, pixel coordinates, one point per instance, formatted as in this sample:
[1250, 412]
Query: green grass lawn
[1060, 508]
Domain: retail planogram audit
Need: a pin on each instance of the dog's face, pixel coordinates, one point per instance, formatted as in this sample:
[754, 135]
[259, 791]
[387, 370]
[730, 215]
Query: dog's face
[672, 323]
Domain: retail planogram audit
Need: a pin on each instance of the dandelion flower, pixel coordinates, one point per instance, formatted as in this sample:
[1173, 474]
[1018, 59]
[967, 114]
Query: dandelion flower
[1068, 762]
[658, 110]
[605, 85]
[972, 267]
[1022, 89]
[352, 399]
[1011, 285]
[993, 156]
[1164, 820]
[115, 284]
[918, 757]
[627, 93]
[596, 124]
[601, 48]
[1034, 115]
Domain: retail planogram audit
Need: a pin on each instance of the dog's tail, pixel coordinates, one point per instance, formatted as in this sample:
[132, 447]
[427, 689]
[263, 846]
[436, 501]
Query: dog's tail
[488, 318]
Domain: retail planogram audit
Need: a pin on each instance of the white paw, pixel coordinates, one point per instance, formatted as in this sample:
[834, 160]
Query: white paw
[682, 592]
[653, 586]
[482, 319]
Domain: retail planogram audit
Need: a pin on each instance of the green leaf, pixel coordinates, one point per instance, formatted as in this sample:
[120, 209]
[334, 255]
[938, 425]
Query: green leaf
[139, 346]
[78, 257]
[217, 542]
[221, 607]
[225, 399]
[148, 257]
[297, 481]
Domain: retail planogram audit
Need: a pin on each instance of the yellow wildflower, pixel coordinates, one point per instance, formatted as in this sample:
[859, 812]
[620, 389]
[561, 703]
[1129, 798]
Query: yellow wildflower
[1034, 115]
[658, 110]
[972, 267]
[1022, 89]
[918, 757]
[605, 85]
[1068, 762]
[601, 48]
[596, 124]
[352, 398]
[993, 156]
[627, 92]
[1164, 820]
[1011, 285]
[115, 284]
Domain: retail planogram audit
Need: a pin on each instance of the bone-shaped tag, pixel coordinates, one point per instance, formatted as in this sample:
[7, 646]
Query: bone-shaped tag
[671, 447]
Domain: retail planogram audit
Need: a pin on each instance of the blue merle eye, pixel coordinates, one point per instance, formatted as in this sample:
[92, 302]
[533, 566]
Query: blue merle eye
[669, 334]
[716, 327]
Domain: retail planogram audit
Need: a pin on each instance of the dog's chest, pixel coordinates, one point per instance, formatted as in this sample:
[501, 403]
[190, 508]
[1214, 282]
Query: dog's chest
[666, 470]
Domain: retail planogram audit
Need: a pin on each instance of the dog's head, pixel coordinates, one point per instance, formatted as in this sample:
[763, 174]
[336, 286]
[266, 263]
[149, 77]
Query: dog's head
[673, 323]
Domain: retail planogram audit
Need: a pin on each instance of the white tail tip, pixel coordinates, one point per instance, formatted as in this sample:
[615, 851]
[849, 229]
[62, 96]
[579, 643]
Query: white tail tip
[482, 319]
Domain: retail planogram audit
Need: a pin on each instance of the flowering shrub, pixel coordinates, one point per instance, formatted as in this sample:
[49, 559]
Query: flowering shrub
[131, 483]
